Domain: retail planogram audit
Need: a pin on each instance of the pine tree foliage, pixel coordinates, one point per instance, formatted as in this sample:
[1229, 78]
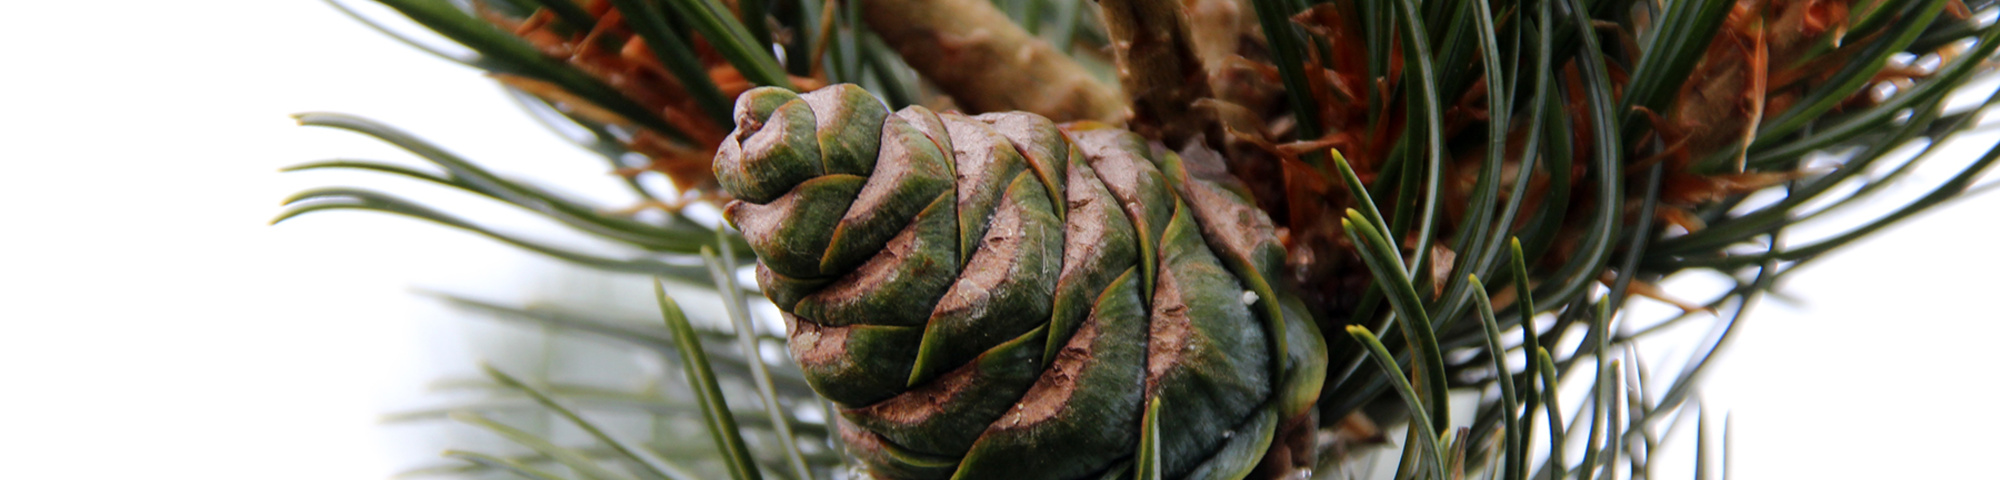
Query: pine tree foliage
[1468, 194]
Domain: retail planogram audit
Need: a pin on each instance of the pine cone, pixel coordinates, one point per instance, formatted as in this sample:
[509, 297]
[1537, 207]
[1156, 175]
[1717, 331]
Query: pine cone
[998, 296]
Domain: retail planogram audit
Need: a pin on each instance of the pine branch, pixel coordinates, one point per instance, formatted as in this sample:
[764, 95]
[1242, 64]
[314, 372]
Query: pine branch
[1158, 66]
[989, 64]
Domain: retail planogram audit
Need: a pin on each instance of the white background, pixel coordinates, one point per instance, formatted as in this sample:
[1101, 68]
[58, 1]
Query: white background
[152, 325]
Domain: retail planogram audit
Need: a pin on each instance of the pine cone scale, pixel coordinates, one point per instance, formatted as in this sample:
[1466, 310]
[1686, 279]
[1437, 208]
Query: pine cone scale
[770, 154]
[986, 166]
[1086, 405]
[1042, 144]
[794, 230]
[1200, 354]
[854, 364]
[914, 265]
[944, 416]
[910, 174]
[849, 124]
[1005, 290]
[1100, 247]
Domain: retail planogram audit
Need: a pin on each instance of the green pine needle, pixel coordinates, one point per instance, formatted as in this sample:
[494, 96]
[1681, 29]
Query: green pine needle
[708, 393]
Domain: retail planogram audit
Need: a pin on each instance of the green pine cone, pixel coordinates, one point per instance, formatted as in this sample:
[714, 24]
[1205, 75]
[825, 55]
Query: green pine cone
[997, 296]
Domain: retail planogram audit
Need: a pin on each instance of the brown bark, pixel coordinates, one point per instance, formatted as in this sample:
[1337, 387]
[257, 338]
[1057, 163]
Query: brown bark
[1161, 72]
[987, 64]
